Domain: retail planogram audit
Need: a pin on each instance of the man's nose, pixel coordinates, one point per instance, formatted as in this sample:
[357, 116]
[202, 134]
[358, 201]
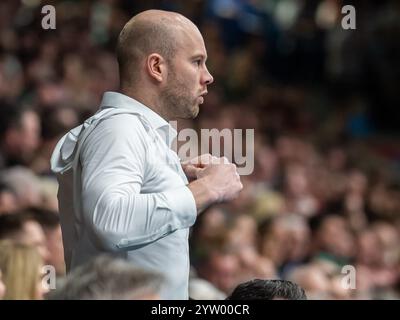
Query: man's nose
[208, 78]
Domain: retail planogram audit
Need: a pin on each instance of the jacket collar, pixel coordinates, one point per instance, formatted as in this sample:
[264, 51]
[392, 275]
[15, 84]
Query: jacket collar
[119, 100]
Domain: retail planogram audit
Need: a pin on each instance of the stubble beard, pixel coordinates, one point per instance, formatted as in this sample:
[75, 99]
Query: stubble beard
[178, 101]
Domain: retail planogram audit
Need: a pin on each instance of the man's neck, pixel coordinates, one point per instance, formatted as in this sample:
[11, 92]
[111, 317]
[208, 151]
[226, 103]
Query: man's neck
[150, 100]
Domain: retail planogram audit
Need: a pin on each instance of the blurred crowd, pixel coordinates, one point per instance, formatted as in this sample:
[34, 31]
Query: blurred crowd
[323, 201]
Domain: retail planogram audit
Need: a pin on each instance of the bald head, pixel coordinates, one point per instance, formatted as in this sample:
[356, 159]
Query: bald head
[151, 31]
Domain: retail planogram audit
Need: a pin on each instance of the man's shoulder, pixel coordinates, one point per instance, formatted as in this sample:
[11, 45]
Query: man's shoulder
[116, 132]
[122, 123]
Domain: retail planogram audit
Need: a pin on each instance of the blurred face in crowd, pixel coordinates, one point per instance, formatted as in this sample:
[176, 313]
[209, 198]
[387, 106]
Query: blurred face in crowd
[30, 131]
[253, 265]
[22, 141]
[357, 182]
[275, 244]
[188, 76]
[288, 239]
[25, 139]
[56, 249]
[313, 280]
[296, 180]
[335, 237]
[285, 148]
[336, 159]
[389, 238]
[266, 163]
[299, 243]
[244, 230]
[223, 270]
[8, 202]
[33, 235]
[2, 286]
[370, 250]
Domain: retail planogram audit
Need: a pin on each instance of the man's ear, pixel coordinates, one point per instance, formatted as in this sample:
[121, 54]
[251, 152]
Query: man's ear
[156, 67]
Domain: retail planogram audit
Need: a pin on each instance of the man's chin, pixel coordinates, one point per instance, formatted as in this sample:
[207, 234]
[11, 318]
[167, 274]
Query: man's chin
[190, 113]
[195, 111]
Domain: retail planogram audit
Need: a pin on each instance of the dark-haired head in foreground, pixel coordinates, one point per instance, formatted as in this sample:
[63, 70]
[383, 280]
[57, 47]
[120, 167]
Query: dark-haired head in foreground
[258, 289]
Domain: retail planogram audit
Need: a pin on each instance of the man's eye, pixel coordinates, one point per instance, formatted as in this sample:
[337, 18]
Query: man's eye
[198, 62]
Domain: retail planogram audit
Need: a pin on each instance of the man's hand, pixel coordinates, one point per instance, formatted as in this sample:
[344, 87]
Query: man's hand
[216, 182]
[193, 166]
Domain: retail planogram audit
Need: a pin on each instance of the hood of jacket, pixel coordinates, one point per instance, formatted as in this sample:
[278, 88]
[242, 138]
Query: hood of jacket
[65, 153]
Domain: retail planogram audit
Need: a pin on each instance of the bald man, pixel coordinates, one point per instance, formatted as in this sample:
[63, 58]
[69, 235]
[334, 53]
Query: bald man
[122, 187]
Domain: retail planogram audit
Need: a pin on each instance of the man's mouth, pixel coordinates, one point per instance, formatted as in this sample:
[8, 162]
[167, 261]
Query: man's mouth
[201, 97]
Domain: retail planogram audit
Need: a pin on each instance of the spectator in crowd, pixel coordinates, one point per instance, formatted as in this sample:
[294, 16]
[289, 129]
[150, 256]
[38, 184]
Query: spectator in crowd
[22, 271]
[55, 121]
[221, 268]
[50, 223]
[19, 134]
[259, 289]
[8, 199]
[2, 286]
[26, 185]
[313, 280]
[374, 259]
[333, 239]
[285, 240]
[299, 197]
[109, 278]
[21, 227]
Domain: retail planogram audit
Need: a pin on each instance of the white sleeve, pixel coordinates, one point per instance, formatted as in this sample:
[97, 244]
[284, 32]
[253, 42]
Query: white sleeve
[113, 160]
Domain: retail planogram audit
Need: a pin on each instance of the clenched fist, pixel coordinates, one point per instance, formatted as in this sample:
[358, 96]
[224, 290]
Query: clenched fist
[194, 166]
[223, 180]
[217, 180]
